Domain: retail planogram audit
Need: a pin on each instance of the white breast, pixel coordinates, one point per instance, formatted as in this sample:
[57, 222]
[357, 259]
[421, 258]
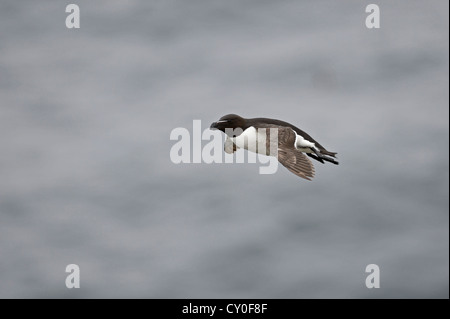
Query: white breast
[249, 139]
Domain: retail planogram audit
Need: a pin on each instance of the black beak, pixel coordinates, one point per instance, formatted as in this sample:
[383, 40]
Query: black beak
[213, 126]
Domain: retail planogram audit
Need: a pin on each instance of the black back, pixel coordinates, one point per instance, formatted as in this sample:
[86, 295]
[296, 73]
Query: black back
[259, 122]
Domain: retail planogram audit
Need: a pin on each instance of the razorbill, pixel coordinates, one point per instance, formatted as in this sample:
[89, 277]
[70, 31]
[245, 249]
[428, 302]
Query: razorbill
[291, 144]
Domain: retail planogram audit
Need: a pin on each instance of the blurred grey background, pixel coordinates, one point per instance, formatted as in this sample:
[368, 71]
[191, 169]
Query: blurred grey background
[86, 177]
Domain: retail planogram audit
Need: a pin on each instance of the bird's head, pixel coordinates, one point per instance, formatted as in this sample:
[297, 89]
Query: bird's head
[230, 121]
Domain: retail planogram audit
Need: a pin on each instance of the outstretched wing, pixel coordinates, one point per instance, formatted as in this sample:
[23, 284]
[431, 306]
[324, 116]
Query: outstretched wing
[291, 158]
[296, 162]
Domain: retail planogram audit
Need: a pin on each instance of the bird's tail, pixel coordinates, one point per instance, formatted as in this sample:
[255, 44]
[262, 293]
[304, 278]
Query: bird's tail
[325, 152]
[328, 156]
[323, 155]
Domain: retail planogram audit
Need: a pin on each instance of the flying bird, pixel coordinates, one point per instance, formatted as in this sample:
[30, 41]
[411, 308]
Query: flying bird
[290, 143]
